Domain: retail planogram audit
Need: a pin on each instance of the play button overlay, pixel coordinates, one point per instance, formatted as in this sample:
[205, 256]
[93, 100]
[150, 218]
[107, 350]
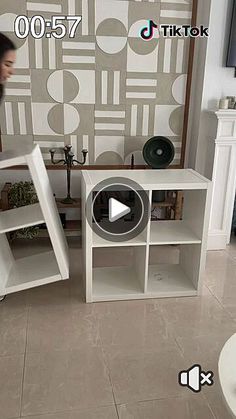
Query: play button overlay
[118, 209]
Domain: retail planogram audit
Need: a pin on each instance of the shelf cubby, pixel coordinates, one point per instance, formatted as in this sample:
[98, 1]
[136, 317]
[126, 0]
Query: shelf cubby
[118, 273]
[169, 274]
[172, 232]
[14, 219]
[32, 271]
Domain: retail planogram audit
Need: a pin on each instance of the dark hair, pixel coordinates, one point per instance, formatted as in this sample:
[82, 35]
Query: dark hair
[5, 45]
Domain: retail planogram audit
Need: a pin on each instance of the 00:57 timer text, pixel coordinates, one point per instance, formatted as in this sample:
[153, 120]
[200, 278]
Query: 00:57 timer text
[37, 26]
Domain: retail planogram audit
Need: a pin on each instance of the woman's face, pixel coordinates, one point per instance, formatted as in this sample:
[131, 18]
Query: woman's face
[7, 64]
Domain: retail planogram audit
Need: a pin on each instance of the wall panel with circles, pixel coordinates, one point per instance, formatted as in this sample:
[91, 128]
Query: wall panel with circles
[106, 89]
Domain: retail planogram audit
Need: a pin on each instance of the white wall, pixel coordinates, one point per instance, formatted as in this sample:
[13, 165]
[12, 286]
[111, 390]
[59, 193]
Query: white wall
[211, 81]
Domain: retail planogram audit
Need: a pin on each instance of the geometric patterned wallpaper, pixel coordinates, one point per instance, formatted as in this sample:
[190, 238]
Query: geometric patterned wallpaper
[106, 90]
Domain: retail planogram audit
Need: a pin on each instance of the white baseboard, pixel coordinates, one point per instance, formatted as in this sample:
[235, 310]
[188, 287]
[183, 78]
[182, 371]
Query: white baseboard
[217, 241]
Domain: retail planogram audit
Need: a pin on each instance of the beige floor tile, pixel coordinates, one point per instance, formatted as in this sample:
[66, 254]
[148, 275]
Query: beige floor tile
[77, 294]
[108, 412]
[139, 374]
[192, 407]
[13, 325]
[16, 300]
[231, 248]
[146, 344]
[227, 300]
[217, 258]
[231, 251]
[62, 328]
[218, 274]
[76, 265]
[7, 417]
[195, 316]
[205, 291]
[222, 285]
[57, 293]
[204, 350]
[215, 399]
[11, 376]
[60, 381]
[132, 323]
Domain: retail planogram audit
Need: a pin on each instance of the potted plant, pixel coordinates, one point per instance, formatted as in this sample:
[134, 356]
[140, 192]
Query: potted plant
[21, 194]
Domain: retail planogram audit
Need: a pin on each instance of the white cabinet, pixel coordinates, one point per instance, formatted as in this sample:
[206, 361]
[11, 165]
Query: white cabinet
[167, 259]
[43, 268]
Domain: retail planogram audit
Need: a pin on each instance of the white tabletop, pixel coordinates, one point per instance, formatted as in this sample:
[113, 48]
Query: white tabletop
[227, 373]
[151, 179]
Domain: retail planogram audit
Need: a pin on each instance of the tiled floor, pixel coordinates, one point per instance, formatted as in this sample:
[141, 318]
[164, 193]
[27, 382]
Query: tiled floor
[63, 359]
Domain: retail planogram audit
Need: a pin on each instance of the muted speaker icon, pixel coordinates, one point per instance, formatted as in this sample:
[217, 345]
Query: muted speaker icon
[194, 378]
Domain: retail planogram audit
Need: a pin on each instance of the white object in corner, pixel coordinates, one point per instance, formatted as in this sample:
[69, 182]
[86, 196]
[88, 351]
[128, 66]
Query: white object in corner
[43, 268]
[141, 279]
[224, 181]
[227, 373]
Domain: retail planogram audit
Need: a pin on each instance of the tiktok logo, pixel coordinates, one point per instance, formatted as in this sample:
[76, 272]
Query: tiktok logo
[172, 31]
[147, 32]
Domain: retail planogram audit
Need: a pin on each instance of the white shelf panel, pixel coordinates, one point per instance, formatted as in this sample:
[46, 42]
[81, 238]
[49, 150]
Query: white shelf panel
[166, 179]
[22, 217]
[169, 281]
[172, 232]
[136, 241]
[115, 283]
[10, 158]
[33, 271]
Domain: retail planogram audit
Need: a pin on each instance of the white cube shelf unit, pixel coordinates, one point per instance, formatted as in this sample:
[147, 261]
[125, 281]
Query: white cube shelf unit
[143, 267]
[43, 268]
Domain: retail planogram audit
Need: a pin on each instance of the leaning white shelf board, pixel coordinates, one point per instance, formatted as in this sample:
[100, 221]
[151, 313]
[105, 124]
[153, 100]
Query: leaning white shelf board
[143, 279]
[43, 268]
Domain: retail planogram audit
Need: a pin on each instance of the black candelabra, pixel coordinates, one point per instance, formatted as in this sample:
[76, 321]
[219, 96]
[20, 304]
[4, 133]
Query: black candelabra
[69, 161]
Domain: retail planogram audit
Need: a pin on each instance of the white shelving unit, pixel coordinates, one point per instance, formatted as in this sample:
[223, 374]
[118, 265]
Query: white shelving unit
[43, 268]
[143, 267]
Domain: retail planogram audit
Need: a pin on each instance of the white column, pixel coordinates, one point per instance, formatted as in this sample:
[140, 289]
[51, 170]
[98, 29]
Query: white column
[224, 181]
